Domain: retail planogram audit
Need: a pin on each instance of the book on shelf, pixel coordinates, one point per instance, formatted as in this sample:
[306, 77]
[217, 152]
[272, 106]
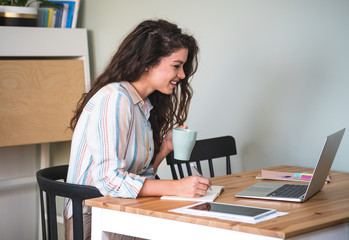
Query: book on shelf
[76, 13]
[49, 18]
[65, 16]
[63, 21]
[53, 19]
[58, 12]
[73, 11]
[42, 17]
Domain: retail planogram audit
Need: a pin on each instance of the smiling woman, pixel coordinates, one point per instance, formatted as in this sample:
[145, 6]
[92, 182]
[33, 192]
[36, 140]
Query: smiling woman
[163, 77]
[122, 126]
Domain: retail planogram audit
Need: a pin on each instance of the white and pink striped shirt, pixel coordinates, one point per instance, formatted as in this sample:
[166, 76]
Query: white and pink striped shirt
[112, 144]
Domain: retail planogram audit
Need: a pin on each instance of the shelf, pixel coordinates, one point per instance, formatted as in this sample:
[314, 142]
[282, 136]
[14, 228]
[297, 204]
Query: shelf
[43, 74]
[46, 42]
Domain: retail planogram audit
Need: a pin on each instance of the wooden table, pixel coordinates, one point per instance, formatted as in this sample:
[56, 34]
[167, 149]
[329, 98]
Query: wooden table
[324, 216]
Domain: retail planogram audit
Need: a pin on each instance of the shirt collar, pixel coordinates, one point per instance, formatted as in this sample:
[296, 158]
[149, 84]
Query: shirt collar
[133, 93]
[146, 105]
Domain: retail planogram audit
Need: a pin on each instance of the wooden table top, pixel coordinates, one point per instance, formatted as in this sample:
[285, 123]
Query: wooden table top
[327, 208]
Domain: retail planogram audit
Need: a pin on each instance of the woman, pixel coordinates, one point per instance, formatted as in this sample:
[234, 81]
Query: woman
[122, 126]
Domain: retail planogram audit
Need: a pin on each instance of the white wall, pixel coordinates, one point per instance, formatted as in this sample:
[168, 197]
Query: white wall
[18, 193]
[274, 74]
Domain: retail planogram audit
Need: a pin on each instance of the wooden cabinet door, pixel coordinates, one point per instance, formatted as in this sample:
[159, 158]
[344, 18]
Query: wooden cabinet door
[37, 99]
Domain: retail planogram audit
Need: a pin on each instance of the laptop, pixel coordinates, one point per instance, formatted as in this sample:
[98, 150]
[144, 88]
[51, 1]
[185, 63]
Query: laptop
[299, 192]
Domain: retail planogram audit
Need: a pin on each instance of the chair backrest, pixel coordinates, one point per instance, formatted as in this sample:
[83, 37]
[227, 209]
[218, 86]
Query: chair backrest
[48, 182]
[205, 150]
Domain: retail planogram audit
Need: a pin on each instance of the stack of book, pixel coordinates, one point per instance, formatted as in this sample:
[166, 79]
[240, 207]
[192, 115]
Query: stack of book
[64, 16]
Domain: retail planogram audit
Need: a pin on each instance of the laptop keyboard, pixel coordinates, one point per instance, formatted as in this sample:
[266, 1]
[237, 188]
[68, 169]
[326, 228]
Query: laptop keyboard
[289, 191]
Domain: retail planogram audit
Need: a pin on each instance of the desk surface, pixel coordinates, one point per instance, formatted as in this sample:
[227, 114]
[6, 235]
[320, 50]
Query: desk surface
[327, 208]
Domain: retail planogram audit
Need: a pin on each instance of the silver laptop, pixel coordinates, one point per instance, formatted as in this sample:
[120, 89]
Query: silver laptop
[299, 192]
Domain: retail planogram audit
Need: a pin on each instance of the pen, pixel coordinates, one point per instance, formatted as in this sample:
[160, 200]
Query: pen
[193, 167]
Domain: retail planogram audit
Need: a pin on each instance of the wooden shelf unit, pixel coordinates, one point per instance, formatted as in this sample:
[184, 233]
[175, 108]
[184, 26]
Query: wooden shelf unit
[43, 73]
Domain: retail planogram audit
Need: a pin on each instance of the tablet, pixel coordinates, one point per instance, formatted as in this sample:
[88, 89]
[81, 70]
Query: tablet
[212, 208]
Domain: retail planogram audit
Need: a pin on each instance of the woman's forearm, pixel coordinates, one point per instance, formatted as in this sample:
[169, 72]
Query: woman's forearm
[193, 186]
[158, 188]
[158, 159]
[164, 151]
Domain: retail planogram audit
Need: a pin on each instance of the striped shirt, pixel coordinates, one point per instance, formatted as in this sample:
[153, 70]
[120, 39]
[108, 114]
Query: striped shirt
[112, 144]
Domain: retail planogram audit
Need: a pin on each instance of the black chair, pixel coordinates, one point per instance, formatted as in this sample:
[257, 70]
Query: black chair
[47, 180]
[205, 150]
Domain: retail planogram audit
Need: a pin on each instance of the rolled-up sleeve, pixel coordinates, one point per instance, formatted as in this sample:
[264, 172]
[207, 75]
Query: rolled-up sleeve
[149, 172]
[107, 131]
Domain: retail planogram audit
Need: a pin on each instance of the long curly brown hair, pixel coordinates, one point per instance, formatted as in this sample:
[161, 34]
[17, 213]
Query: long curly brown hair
[144, 48]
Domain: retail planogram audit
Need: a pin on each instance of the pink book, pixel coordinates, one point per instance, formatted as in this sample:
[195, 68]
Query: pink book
[287, 176]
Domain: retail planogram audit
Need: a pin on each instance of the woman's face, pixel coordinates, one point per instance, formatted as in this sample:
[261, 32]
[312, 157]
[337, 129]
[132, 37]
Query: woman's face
[165, 76]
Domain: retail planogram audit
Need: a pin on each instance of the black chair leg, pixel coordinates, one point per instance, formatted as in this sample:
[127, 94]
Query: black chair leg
[52, 216]
[43, 222]
[210, 164]
[228, 165]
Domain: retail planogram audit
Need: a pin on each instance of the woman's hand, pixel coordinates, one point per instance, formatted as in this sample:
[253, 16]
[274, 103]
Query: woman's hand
[193, 186]
[165, 148]
[167, 142]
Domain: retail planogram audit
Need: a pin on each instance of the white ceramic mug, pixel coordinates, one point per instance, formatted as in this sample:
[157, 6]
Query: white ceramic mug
[183, 143]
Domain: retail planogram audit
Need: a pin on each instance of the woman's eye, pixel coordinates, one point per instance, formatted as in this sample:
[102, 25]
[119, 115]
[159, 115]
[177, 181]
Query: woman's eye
[177, 66]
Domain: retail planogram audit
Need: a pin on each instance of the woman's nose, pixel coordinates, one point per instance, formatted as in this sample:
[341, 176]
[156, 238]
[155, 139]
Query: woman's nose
[181, 74]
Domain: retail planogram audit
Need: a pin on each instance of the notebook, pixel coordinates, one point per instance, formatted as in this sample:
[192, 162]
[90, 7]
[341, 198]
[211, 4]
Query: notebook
[210, 196]
[301, 192]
